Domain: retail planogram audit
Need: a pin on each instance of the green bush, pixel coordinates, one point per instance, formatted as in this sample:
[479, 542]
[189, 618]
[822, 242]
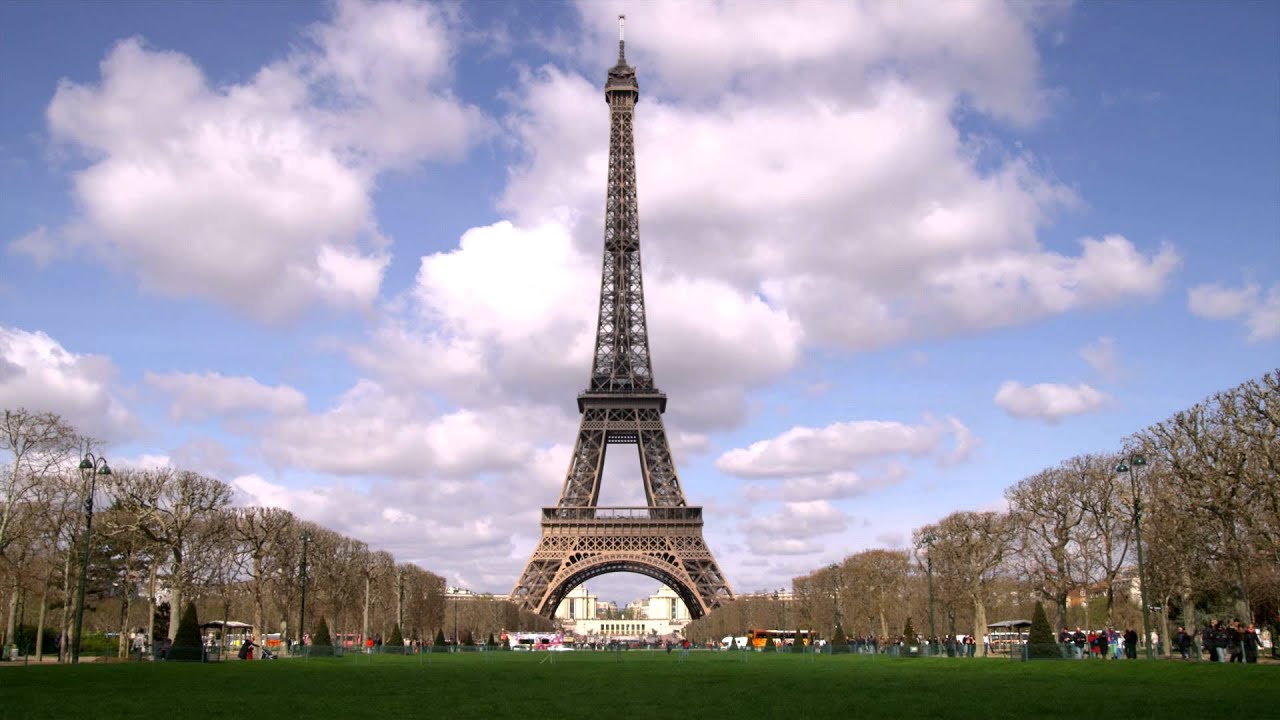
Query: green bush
[439, 642]
[321, 641]
[909, 632]
[397, 637]
[839, 643]
[1040, 640]
[797, 645]
[187, 646]
[769, 646]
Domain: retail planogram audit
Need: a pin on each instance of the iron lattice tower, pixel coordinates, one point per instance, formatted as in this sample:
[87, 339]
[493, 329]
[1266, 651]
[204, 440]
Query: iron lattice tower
[621, 405]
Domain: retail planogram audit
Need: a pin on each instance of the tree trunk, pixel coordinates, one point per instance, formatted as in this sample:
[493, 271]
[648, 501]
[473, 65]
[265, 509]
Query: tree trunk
[1060, 602]
[64, 645]
[175, 596]
[1164, 627]
[400, 600]
[44, 606]
[11, 620]
[979, 626]
[257, 600]
[364, 624]
[884, 626]
[1189, 612]
[123, 650]
[151, 604]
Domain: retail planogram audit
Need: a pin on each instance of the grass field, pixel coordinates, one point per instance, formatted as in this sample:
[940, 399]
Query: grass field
[640, 685]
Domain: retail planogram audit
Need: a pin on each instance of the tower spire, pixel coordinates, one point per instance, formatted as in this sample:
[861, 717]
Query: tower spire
[622, 43]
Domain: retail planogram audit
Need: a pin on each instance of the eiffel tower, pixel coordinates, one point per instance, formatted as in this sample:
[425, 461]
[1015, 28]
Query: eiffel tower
[621, 405]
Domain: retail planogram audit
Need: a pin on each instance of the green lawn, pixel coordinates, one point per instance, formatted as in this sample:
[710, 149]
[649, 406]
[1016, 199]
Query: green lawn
[639, 685]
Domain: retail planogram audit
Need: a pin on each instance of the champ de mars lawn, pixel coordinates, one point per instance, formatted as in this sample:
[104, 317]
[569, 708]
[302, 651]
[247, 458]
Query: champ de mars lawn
[641, 685]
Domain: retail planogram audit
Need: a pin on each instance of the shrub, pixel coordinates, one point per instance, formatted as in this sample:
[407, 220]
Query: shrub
[321, 640]
[467, 638]
[909, 632]
[397, 637]
[490, 642]
[839, 643]
[769, 646]
[439, 638]
[797, 645]
[1040, 641]
[187, 646]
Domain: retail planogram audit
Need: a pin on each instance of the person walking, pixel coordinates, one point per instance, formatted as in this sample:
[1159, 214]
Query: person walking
[1182, 641]
[1131, 644]
[1251, 644]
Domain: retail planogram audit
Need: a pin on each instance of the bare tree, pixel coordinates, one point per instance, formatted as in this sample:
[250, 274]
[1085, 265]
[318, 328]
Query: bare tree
[970, 548]
[1047, 512]
[172, 509]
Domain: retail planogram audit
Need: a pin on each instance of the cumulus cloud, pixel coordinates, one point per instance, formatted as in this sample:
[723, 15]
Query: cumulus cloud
[39, 374]
[916, 231]
[1047, 401]
[510, 314]
[198, 396]
[791, 530]
[1261, 313]
[806, 451]
[257, 194]
[1101, 357]
[371, 431]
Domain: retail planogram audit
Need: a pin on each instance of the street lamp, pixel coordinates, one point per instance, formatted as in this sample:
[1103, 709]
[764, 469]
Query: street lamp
[90, 468]
[928, 540]
[1136, 461]
[302, 611]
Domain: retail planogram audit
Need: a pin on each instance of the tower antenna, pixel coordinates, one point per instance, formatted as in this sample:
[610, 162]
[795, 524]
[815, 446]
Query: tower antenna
[622, 21]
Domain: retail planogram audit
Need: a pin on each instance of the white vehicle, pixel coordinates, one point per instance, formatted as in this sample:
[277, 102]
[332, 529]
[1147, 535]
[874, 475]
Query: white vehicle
[728, 642]
[535, 641]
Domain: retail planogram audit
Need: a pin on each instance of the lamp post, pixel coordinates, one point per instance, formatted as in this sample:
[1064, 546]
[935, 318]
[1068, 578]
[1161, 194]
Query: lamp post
[1136, 461]
[302, 611]
[90, 468]
[928, 540]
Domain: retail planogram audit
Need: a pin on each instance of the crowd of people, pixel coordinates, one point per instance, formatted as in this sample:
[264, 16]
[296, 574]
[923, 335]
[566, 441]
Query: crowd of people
[1235, 642]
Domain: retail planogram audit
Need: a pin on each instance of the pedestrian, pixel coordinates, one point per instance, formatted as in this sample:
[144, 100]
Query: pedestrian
[1183, 642]
[1131, 644]
[139, 643]
[246, 649]
[1235, 642]
[1081, 641]
[1251, 643]
[1102, 645]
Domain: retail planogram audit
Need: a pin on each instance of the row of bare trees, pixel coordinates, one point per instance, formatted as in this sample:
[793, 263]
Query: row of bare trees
[1207, 498]
[162, 537]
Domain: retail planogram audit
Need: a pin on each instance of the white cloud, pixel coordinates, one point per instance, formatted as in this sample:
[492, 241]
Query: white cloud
[1101, 356]
[1261, 313]
[257, 194]
[915, 231]
[40, 245]
[372, 431]
[196, 397]
[510, 316]
[805, 451]
[38, 374]
[791, 530]
[1047, 401]
[832, 486]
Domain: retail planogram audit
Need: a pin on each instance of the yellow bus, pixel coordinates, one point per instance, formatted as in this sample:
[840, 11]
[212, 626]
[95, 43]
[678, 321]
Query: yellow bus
[759, 638]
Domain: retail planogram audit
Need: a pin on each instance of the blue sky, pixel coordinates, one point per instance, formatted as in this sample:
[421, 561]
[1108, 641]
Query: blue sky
[345, 256]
